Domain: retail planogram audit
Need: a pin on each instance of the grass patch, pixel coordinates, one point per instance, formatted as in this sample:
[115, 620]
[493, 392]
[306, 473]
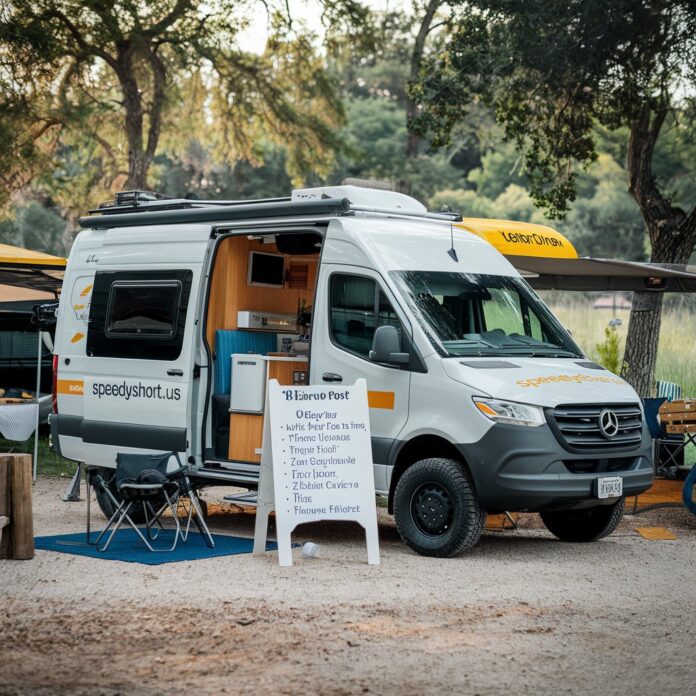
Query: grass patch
[676, 357]
[50, 464]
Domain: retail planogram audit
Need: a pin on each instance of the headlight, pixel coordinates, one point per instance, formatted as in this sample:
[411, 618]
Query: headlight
[510, 412]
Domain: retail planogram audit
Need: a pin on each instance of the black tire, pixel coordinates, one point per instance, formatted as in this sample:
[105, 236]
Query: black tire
[436, 508]
[587, 524]
[105, 503]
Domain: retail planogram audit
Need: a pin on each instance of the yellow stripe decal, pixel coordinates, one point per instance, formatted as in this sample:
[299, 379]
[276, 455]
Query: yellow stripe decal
[86, 291]
[77, 337]
[380, 399]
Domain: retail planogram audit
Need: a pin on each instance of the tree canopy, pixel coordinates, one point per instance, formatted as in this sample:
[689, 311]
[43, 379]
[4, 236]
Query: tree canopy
[111, 80]
[553, 72]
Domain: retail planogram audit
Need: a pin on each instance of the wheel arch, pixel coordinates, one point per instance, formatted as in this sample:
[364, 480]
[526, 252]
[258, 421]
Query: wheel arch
[420, 447]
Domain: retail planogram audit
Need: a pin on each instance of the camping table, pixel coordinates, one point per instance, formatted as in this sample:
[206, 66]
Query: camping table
[17, 418]
[679, 418]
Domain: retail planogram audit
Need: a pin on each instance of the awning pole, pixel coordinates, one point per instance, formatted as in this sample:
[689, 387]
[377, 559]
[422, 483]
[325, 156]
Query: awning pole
[38, 408]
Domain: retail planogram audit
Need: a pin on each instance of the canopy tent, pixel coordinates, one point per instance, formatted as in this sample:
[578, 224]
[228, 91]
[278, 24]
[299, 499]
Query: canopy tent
[29, 279]
[31, 270]
[549, 261]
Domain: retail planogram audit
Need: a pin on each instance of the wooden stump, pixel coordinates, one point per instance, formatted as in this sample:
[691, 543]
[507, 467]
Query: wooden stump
[5, 505]
[15, 503]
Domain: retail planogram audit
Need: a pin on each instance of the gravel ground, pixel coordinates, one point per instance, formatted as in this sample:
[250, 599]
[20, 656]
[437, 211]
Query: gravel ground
[521, 612]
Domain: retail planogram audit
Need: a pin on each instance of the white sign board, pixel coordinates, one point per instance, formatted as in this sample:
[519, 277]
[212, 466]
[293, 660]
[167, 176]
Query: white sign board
[316, 463]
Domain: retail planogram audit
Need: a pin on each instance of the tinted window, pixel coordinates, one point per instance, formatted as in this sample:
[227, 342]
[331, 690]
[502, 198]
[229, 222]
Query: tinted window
[143, 310]
[358, 306]
[138, 314]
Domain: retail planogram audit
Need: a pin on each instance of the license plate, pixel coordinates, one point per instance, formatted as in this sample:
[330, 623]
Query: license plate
[610, 487]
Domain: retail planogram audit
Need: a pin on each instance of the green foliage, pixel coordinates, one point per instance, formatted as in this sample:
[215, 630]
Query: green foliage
[35, 227]
[126, 76]
[463, 201]
[606, 222]
[609, 351]
[550, 70]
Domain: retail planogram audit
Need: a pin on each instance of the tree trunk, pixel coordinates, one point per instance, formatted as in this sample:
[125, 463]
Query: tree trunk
[416, 58]
[133, 106]
[673, 245]
[672, 235]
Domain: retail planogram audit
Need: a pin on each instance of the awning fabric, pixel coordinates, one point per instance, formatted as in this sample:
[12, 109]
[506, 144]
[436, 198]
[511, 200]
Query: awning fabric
[33, 270]
[18, 257]
[604, 274]
[549, 261]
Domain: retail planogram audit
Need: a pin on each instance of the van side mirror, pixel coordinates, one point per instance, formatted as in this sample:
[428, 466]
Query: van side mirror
[386, 347]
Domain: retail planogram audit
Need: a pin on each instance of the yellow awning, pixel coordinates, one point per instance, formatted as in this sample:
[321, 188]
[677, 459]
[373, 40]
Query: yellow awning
[521, 238]
[25, 258]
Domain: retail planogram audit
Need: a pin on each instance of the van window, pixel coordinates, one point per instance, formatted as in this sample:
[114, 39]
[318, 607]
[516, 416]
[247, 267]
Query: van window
[476, 314]
[143, 310]
[358, 307]
[138, 314]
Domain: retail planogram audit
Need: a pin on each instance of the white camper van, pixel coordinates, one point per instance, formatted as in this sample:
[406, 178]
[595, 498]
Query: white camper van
[175, 313]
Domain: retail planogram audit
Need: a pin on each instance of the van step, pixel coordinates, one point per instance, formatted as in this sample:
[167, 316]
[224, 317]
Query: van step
[233, 472]
[249, 498]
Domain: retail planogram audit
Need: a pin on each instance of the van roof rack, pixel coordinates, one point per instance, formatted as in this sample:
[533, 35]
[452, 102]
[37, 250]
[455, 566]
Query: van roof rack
[140, 208]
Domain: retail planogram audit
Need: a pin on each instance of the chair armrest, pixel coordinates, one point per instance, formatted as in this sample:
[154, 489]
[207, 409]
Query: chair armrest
[142, 486]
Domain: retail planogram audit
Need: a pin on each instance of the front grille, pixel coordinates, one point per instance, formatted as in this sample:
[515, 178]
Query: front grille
[577, 426]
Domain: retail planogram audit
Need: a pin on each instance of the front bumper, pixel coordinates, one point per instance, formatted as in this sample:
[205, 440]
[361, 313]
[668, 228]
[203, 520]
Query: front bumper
[518, 468]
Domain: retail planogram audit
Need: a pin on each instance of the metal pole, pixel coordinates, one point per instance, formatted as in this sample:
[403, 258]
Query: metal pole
[38, 387]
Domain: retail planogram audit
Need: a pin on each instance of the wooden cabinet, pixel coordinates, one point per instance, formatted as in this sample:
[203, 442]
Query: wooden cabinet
[245, 437]
[283, 370]
[246, 429]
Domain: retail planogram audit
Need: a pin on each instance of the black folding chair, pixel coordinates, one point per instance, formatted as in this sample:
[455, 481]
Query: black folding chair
[143, 479]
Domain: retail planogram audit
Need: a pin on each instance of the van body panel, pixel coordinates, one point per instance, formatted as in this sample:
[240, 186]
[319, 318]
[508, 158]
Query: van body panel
[123, 401]
[540, 381]
[388, 386]
[405, 245]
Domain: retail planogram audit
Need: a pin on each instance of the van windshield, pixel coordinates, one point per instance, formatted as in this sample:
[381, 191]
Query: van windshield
[474, 314]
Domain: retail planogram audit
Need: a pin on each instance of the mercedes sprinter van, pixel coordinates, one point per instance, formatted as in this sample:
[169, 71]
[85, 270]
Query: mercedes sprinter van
[175, 313]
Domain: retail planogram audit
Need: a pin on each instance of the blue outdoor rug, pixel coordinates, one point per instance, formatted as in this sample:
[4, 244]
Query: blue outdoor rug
[127, 546]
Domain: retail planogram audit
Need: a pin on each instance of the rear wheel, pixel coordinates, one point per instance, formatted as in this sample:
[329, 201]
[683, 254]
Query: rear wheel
[588, 524]
[436, 508]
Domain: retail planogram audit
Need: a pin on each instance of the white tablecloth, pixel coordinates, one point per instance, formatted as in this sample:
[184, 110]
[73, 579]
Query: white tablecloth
[17, 421]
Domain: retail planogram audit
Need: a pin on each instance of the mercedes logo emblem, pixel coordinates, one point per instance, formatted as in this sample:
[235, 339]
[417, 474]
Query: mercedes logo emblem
[608, 423]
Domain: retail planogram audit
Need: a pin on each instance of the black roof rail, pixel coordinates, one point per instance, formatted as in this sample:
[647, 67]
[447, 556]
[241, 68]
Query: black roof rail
[143, 201]
[180, 211]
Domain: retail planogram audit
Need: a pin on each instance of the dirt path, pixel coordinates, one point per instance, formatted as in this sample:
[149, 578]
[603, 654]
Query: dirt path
[521, 613]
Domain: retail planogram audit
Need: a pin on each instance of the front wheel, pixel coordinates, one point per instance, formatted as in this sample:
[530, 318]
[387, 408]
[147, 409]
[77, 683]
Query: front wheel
[436, 508]
[587, 524]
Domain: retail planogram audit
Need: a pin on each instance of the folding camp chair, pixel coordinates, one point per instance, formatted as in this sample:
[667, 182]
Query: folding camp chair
[144, 479]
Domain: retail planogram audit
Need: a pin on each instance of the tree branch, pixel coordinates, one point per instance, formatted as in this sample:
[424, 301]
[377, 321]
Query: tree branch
[159, 77]
[88, 49]
[177, 11]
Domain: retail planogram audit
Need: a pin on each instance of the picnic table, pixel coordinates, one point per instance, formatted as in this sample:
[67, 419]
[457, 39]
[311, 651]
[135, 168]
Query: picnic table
[679, 418]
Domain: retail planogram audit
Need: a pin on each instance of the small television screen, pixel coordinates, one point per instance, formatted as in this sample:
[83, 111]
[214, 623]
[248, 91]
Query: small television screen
[266, 269]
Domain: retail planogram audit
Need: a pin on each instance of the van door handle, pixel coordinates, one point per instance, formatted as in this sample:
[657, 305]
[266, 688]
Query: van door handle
[331, 377]
[175, 373]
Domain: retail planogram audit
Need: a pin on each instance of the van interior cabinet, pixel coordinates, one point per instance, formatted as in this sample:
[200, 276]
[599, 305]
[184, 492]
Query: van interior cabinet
[246, 430]
[285, 371]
